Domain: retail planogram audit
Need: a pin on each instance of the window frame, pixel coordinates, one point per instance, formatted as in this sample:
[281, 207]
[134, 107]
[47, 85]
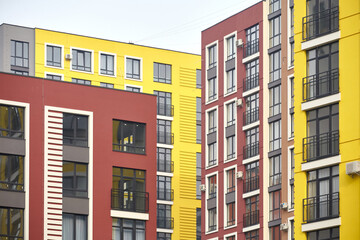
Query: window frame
[140, 68]
[74, 190]
[121, 227]
[166, 127]
[91, 60]
[114, 64]
[74, 140]
[275, 66]
[275, 172]
[127, 145]
[61, 55]
[162, 80]
[106, 85]
[275, 135]
[133, 87]
[164, 99]
[275, 100]
[8, 220]
[81, 81]
[274, 205]
[164, 188]
[25, 61]
[74, 218]
[164, 154]
[9, 130]
[275, 31]
[198, 120]
[46, 74]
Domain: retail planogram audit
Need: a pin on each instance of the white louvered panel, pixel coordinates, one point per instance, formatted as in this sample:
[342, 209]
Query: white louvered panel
[54, 162]
[55, 179]
[54, 141]
[54, 184]
[53, 146]
[55, 114]
[55, 168]
[55, 130]
[54, 227]
[53, 221]
[54, 173]
[55, 217]
[53, 200]
[55, 190]
[56, 120]
[54, 195]
[53, 232]
[52, 205]
[56, 136]
[53, 157]
[54, 125]
[54, 238]
[55, 152]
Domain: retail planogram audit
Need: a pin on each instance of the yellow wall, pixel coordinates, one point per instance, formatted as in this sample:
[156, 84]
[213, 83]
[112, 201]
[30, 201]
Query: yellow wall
[349, 117]
[184, 93]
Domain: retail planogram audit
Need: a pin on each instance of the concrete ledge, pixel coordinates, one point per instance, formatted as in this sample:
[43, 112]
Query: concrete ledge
[307, 227]
[129, 215]
[250, 160]
[251, 228]
[164, 230]
[306, 106]
[251, 57]
[251, 125]
[251, 91]
[330, 161]
[320, 41]
[252, 193]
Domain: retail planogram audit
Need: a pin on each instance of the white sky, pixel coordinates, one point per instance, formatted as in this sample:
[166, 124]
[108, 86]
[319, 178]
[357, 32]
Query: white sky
[169, 24]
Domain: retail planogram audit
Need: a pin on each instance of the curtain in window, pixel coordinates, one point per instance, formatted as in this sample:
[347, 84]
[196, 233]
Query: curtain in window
[81, 228]
[68, 227]
[140, 234]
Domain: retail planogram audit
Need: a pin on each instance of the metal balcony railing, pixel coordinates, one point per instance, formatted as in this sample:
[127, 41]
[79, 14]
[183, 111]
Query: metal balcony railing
[165, 137]
[251, 82]
[250, 116]
[321, 146]
[165, 194]
[250, 48]
[165, 166]
[251, 218]
[275, 179]
[321, 85]
[321, 207]
[165, 222]
[320, 23]
[164, 109]
[131, 201]
[251, 150]
[251, 184]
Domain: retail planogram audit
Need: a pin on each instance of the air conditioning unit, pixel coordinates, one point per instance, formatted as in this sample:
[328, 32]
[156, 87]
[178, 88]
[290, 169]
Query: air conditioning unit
[284, 227]
[239, 175]
[353, 168]
[240, 102]
[284, 205]
[202, 187]
[239, 43]
[68, 56]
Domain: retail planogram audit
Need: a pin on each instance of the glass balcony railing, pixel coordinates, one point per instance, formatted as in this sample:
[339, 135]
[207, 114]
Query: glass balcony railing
[131, 201]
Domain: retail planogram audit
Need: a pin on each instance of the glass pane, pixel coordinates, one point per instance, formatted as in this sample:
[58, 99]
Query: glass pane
[68, 227]
[57, 54]
[81, 227]
[81, 176]
[68, 175]
[16, 222]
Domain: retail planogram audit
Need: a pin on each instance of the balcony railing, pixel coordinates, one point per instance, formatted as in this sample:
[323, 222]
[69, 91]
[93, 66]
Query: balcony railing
[275, 179]
[320, 23]
[251, 47]
[321, 85]
[321, 146]
[251, 150]
[165, 166]
[321, 207]
[131, 201]
[165, 109]
[251, 218]
[165, 137]
[165, 194]
[251, 82]
[250, 116]
[165, 222]
[251, 184]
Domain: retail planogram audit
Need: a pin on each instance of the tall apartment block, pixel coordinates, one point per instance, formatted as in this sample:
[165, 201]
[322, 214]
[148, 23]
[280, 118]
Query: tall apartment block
[327, 116]
[174, 77]
[72, 169]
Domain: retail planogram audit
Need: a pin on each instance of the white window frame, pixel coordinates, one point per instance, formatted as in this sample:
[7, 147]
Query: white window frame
[207, 132]
[99, 68]
[224, 202]
[217, 202]
[289, 177]
[289, 105]
[141, 68]
[289, 227]
[61, 57]
[135, 86]
[288, 29]
[92, 60]
[57, 74]
[225, 123]
[234, 234]
[225, 59]
[217, 72]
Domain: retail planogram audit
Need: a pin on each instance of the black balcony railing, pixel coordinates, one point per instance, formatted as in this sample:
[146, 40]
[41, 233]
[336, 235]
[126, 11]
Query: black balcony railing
[321, 207]
[251, 218]
[165, 109]
[321, 146]
[165, 137]
[165, 194]
[251, 82]
[165, 166]
[250, 116]
[131, 201]
[251, 150]
[251, 184]
[250, 48]
[320, 23]
[275, 179]
[165, 222]
[321, 85]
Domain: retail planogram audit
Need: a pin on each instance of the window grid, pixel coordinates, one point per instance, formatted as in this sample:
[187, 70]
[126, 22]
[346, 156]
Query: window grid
[275, 66]
[275, 170]
[164, 134]
[162, 73]
[106, 85]
[252, 41]
[12, 224]
[230, 41]
[53, 56]
[74, 226]
[128, 136]
[133, 68]
[274, 5]
[75, 179]
[12, 172]
[75, 130]
[107, 64]
[275, 100]
[230, 81]
[275, 205]
[19, 54]
[275, 31]
[81, 81]
[212, 91]
[81, 60]
[275, 135]
[212, 53]
[128, 229]
[164, 106]
[53, 77]
[12, 121]
[164, 162]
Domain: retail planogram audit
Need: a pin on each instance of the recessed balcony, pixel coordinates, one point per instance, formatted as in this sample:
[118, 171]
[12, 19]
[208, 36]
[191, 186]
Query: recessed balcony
[321, 207]
[320, 85]
[321, 146]
[132, 201]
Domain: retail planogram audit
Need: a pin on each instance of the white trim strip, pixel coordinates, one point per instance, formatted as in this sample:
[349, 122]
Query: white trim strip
[320, 41]
[251, 91]
[129, 215]
[251, 228]
[308, 166]
[307, 227]
[250, 194]
[306, 106]
[252, 125]
[250, 160]
[251, 57]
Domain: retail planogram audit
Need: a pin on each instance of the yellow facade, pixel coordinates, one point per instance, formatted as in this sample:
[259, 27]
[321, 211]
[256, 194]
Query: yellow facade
[184, 94]
[349, 117]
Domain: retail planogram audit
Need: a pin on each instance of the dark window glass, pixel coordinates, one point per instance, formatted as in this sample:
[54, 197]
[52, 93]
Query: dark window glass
[81, 81]
[275, 170]
[106, 85]
[75, 130]
[251, 182]
[106, 64]
[275, 66]
[253, 235]
[11, 172]
[230, 41]
[251, 113]
[324, 234]
[212, 154]
[11, 223]
[198, 175]
[164, 106]
[252, 75]
[251, 216]
[212, 56]
[128, 136]
[128, 229]
[11, 121]
[275, 100]
[230, 147]
[133, 68]
[275, 135]
[53, 77]
[81, 60]
[164, 134]
[162, 73]
[275, 31]
[274, 5]
[212, 121]
[231, 113]
[164, 163]
[230, 212]
[275, 233]
[275, 205]
[75, 178]
[230, 81]
[163, 236]
[53, 56]
[23, 73]
[198, 223]
[252, 41]
[164, 219]
[212, 185]
[198, 78]
[164, 191]
[212, 219]
[19, 54]
[230, 180]
[74, 227]
[212, 90]
[133, 89]
[198, 120]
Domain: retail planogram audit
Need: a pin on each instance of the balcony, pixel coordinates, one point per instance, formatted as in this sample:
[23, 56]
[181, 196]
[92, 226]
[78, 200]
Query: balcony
[251, 218]
[275, 179]
[164, 137]
[251, 184]
[321, 207]
[251, 150]
[251, 82]
[165, 194]
[321, 146]
[250, 116]
[165, 222]
[320, 85]
[320, 23]
[164, 109]
[165, 166]
[132, 201]
[250, 48]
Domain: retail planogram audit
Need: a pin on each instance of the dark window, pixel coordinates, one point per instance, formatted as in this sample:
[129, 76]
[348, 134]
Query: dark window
[75, 179]
[230, 238]
[292, 199]
[53, 56]
[212, 90]
[19, 54]
[106, 85]
[275, 135]
[11, 121]
[230, 208]
[74, 227]
[252, 75]
[133, 68]
[230, 81]
[252, 41]
[81, 60]
[198, 78]
[230, 180]
[275, 100]
[198, 175]
[163, 236]
[275, 66]
[198, 120]
[328, 234]
[11, 172]
[106, 64]
[251, 148]
[275, 170]
[212, 56]
[128, 136]
[292, 53]
[75, 130]
[81, 81]
[164, 219]
[164, 134]
[231, 113]
[128, 229]
[230, 41]
[274, 5]
[198, 223]
[53, 77]
[291, 110]
[275, 205]
[164, 163]
[212, 118]
[253, 235]
[251, 113]
[162, 73]
[291, 21]
[230, 147]
[23, 73]
[292, 230]
[275, 31]
[251, 182]
[164, 191]
[11, 223]
[164, 106]
[212, 219]
[133, 89]
[212, 182]
[274, 233]
[251, 216]
[212, 154]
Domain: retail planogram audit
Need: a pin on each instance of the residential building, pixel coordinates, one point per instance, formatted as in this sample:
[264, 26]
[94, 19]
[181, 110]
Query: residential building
[72, 169]
[327, 135]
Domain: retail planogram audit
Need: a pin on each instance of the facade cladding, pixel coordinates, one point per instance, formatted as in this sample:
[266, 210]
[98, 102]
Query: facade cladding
[69, 164]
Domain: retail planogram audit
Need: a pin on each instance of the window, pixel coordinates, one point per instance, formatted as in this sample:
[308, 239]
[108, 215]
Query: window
[198, 120]
[292, 230]
[230, 81]
[212, 219]
[164, 163]
[275, 66]
[291, 39]
[198, 223]
[252, 40]
[75, 179]
[81, 60]
[253, 235]
[291, 110]
[292, 175]
[198, 78]
[275, 170]
[251, 113]
[275, 31]
[274, 5]
[230, 43]
[107, 64]
[75, 130]
[212, 56]
[133, 68]
[164, 106]
[106, 85]
[251, 148]
[274, 233]
[275, 100]
[12, 172]
[230, 180]
[12, 223]
[162, 73]
[212, 154]
[164, 134]
[252, 75]
[251, 216]
[198, 175]
[53, 77]
[11, 121]
[74, 227]
[133, 89]
[230, 213]
[129, 179]
[212, 182]
[23, 73]
[275, 135]
[230, 139]
[212, 90]
[230, 147]
[164, 219]
[53, 56]
[128, 229]
[128, 136]
[212, 116]
[20, 54]
[163, 236]
[251, 182]
[230, 238]
[81, 81]
[164, 191]
[231, 113]
[328, 234]
[274, 205]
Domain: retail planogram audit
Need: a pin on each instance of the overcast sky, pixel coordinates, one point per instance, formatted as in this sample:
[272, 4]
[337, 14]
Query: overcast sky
[169, 24]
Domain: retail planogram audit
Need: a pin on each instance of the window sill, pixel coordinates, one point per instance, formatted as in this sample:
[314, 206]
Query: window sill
[61, 68]
[230, 93]
[307, 227]
[107, 75]
[133, 79]
[80, 71]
